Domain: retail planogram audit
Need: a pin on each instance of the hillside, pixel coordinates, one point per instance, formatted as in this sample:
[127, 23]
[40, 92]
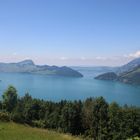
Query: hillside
[107, 76]
[132, 77]
[129, 73]
[129, 66]
[12, 131]
[28, 66]
[89, 71]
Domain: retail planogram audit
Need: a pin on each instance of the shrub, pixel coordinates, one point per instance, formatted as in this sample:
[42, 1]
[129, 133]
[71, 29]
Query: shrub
[38, 123]
[4, 116]
[136, 138]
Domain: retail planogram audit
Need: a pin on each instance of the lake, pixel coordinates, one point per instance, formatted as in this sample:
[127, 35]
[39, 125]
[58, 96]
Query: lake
[56, 88]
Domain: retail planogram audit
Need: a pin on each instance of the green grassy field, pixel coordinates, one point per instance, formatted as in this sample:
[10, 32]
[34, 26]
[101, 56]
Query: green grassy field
[12, 131]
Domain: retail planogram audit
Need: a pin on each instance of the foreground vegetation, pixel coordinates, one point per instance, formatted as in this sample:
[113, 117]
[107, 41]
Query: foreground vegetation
[93, 118]
[136, 138]
[12, 131]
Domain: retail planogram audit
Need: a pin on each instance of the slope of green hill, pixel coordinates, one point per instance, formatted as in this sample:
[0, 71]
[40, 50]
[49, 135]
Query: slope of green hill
[12, 131]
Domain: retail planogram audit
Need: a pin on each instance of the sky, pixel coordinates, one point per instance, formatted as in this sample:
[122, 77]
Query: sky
[70, 32]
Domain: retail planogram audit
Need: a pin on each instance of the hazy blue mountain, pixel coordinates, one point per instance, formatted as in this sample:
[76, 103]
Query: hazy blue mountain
[130, 66]
[131, 77]
[107, 76]
[93, 71]
[129, 73]
[26, 62]
[28, 66]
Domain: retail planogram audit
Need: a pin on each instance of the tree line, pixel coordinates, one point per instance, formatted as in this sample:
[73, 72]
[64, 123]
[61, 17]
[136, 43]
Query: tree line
[93, 118]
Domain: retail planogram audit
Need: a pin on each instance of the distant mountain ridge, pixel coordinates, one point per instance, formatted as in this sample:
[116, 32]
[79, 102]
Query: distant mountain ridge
[129, 66]
[26, 62]
[28, 66]
[129, 73]
[107, 76]
[131, 77]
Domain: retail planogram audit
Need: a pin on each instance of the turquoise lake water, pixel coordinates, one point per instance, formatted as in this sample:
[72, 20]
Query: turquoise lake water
[57, 88]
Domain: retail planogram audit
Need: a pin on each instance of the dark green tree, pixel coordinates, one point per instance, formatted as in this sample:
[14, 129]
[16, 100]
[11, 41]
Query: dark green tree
[100, 119]
[87, 116]
[115, 121]
[9, 99]
[71, 119]
[93, 117]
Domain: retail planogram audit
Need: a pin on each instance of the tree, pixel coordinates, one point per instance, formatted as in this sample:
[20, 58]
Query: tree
[71, 118]
[9, 99]
[100, 119]
[87, 116]
[93, 118]
[115, 121]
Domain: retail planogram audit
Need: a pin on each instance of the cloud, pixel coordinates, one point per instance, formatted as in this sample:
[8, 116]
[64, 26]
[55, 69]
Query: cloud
[100, 58]
[63, 58]
[133, 55]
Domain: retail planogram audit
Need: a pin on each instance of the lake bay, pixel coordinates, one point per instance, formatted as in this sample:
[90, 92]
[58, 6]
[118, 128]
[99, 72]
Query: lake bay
[56, 88]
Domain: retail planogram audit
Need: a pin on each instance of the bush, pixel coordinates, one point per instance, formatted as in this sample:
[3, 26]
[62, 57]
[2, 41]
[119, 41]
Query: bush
[38, 123]
[4, 116]
[136, 138]
[17, 117]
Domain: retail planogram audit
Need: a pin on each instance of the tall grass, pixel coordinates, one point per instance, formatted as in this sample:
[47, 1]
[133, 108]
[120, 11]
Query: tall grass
[12, 131]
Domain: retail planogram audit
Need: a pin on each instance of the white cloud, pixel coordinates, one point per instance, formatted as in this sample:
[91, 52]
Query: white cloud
[135, 55]
[27, 58]
[132, 55]
[63, 58]
[100, 58]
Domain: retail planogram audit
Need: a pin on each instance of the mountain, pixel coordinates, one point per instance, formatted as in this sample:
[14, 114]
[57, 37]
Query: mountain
[26, 62]
[94, 70]
[107, 76]
[130, 66]
[131, 77]
[129, 73]
[28, 66]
